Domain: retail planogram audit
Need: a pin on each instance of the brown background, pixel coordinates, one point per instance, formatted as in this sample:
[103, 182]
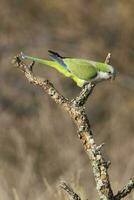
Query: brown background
[38, 141]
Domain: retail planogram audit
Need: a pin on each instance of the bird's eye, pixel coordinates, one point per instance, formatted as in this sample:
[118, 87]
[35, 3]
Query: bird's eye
[109, 73]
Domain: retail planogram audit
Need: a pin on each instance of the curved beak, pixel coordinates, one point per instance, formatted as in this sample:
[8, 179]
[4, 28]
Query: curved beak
[114, 75]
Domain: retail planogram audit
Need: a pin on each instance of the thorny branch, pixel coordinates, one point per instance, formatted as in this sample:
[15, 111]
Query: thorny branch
[69, 190]
[76, 110]
[125, 190]
[84, 94]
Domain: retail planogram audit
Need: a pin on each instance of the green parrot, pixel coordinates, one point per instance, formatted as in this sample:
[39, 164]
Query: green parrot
[82, 71]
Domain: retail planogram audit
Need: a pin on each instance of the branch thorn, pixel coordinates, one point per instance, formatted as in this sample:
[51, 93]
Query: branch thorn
[98, 148]
[107, 60]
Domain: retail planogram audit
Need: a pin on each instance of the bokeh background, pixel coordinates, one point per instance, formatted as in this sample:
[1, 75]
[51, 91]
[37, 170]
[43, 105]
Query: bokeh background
[38, 141]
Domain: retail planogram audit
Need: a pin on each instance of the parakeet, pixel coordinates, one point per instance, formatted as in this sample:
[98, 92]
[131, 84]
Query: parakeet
[82, 71]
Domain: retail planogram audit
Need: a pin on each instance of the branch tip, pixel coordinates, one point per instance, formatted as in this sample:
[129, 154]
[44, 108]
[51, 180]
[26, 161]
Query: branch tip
[107, 60]
[31, 66]
[69, 190]
[98, 148]
[16, 60]
[22, 55]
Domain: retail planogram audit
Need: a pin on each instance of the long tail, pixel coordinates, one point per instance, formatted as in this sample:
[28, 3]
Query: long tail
[55, 65]
[41, 61]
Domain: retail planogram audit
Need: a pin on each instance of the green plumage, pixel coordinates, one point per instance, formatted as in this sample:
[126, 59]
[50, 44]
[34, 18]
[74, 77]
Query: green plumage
[80, 70]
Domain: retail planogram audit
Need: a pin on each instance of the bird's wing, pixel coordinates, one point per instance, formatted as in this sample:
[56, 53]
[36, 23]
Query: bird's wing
[56, 57]
[83, 69]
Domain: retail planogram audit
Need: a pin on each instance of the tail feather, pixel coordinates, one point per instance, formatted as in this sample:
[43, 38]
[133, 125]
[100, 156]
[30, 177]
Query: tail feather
[55, 56]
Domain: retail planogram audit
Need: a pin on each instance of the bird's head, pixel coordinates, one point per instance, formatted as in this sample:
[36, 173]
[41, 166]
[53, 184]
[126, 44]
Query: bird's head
[111, 72]
[105, 71]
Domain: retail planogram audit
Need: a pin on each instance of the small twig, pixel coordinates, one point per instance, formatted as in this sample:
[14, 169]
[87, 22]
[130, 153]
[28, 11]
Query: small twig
[107, 60]
[31, 66]
[125, 190]
[69, 190]
[98, 148]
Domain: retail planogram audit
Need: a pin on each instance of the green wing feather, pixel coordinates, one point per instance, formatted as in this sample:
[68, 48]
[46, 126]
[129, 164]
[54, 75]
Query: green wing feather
[83, 69]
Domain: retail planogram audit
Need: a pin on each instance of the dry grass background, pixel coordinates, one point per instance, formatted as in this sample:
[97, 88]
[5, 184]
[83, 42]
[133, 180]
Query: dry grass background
[38, 142]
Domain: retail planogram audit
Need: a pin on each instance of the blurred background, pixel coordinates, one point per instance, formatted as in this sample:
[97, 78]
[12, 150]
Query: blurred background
[38, 141]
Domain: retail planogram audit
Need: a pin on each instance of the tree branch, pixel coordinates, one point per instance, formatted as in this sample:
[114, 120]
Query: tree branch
[69, 190]
[77, 112]
[84, 94]
[125, 190]
[81, 120]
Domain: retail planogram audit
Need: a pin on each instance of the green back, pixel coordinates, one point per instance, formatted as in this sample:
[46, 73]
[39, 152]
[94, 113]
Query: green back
[81, 68]
[102, 67]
